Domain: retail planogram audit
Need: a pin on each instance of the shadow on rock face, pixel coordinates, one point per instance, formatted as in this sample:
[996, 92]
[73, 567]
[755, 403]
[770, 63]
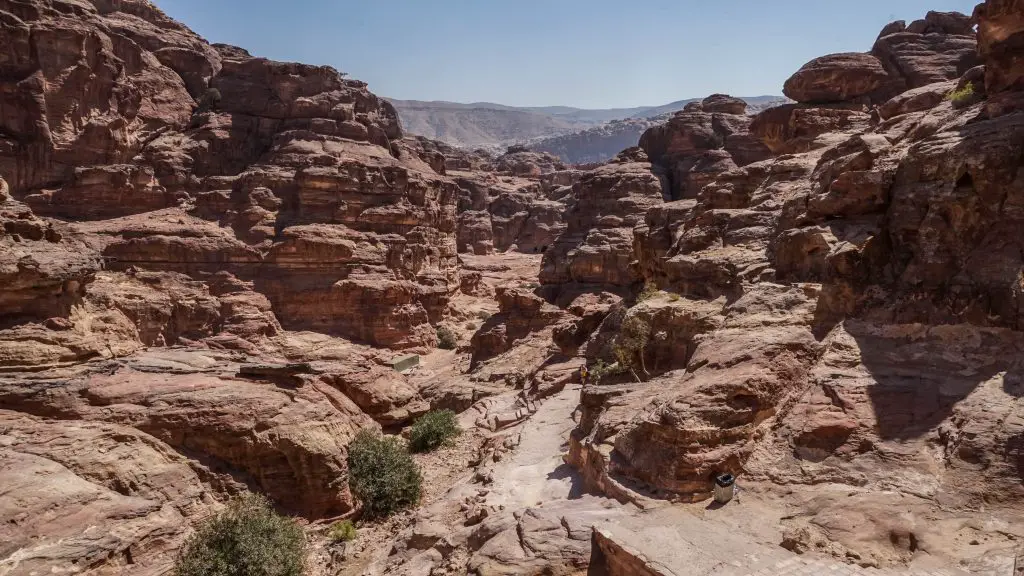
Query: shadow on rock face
[565, 471]
[921, 373]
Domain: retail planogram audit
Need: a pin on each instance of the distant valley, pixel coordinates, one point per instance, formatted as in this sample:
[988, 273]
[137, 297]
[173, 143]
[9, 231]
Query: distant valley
[576, 135]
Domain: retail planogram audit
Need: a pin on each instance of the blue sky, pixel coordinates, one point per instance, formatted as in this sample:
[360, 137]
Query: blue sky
[585, 53]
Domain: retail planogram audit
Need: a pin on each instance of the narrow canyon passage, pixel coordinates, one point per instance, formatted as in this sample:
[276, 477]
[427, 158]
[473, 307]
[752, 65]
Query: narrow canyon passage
[218, 271]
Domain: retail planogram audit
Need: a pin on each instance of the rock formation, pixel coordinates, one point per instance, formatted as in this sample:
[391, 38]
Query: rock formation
[845, 305]
[170, 212]
[270, 170]
[705, 139]
[208, 262]
[512, 202]
[606, 203]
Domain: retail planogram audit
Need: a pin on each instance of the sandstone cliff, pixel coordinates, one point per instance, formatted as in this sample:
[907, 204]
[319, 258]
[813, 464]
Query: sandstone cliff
[844, 313]
[171, 212]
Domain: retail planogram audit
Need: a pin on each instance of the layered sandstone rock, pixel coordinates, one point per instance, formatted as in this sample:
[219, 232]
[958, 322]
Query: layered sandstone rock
[696, 144]
[834, 92]
[209, 203]
[293, 164]
[605, 205]
[44, 267]
[832, 315]
[941, 46]
[836, 78]
[513, 203]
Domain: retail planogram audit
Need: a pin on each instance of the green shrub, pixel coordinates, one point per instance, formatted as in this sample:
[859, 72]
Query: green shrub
[673, 297]
[649, 291]
[382, 474]
[961, 96]
[631, 343]
[600, 369]
[247, 539]
[446, 339]
[342, 531]
[432, 430]
[483, 314]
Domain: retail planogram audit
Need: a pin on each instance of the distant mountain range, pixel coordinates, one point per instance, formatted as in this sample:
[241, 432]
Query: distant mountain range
[578, 135]
[603, 142]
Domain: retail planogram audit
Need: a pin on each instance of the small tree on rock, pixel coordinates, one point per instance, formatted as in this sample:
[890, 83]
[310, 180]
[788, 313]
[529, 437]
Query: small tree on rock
[631, 344]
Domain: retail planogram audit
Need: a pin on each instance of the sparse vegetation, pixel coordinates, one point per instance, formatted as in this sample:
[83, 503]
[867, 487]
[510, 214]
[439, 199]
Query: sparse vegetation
[649, 291]
[432, 430]
[342, 531]
[382, 474]
[471, 326]
[631, 344]
[483, 314]
[248, 538]
[673, 297]
[962, 96]
[600, 369]
[446, 339]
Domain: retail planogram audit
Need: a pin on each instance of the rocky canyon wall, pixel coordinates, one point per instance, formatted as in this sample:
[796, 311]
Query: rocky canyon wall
[831, 300]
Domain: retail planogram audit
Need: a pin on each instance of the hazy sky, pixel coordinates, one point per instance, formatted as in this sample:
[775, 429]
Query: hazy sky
[586, 53]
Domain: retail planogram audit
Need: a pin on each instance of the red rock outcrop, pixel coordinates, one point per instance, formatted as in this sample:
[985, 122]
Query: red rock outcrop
[169, 211]
[942, 46]
[836, 78]
[292, 163]
[834, 92]
[842, 314]
[705, 139]
[596, 247]
[513, 203]
[44, 268]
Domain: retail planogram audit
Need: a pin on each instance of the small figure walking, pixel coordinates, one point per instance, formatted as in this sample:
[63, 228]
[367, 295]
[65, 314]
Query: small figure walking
[583, 374]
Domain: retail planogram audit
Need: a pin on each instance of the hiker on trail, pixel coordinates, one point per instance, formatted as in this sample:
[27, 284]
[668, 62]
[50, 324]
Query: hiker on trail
[583, 374]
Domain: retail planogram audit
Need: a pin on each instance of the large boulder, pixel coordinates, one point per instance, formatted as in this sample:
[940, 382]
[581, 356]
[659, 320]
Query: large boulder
[836, 78]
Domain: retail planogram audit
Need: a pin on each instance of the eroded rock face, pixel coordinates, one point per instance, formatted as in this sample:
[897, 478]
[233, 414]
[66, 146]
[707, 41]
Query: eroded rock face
[999, 31]
[803, 293]
[67, 484]
[44, 268]
[513, 202]
[291, 163]
[698, 143]
[606, 203]
[942, 46]
[170, 213]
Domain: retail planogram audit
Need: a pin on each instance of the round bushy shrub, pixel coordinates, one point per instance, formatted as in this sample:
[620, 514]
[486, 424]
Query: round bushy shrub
[446, 339]
[248, 538]
[432, 430]
[382, 474]
[342, 531]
